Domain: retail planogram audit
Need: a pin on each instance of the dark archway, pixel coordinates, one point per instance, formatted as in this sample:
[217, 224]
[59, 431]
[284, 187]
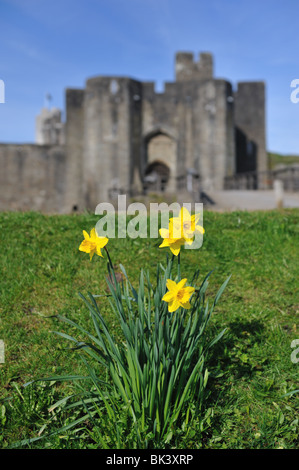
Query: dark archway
[156, 176]
[160, 161]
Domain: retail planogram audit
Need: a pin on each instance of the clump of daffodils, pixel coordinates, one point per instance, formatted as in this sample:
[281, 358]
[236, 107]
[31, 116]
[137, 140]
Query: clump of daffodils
[157, 372]
[181, 230]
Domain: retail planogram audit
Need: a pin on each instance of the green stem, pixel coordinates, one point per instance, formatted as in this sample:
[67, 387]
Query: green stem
[179, 267]
[111, 269]
[109, 259]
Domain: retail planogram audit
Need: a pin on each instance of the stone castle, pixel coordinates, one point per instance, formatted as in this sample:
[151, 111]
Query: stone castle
[120, 136]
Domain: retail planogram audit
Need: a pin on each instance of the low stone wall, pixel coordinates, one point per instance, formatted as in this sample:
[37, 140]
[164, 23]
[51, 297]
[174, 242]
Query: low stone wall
[32, 177]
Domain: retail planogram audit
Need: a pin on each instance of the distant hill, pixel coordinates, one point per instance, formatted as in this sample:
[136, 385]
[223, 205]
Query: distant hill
[278, 159]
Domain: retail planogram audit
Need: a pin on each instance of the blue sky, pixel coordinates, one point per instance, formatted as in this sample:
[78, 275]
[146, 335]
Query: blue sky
[48, 46]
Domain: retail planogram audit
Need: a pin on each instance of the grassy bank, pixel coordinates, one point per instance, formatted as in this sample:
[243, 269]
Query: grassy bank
[275, 159]
[42, 271]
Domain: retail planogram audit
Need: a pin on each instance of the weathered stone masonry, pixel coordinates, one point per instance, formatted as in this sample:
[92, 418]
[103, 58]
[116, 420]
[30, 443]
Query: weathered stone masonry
[122, 137]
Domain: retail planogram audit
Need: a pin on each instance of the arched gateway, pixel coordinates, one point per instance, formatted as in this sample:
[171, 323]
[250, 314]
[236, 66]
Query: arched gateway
[160, 162]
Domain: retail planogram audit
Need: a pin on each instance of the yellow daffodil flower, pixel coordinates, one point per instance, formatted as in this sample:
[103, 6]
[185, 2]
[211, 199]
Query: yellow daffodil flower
[181, 230]
[186, 225]
[168, 240]
[178, 295]
[93, 243]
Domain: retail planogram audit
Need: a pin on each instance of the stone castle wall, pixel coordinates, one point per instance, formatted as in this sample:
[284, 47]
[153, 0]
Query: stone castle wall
[32, 177]
[120, 134]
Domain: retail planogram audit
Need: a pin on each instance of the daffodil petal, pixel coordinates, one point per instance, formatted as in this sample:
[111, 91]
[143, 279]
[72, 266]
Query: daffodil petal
[200, 229]
[189, 241]
[171, 285]
[186, 305]
[175, 250]
[164, 243]
[195, 218]
[185, 214]
[168, 297]
[186, 297]
[175, 228]
[164, 232]
[93, 234]
[98, 251]
[173, 306]
[102, 241]
[85, 234]
[189, 289]
[181, 284]
[85, 246]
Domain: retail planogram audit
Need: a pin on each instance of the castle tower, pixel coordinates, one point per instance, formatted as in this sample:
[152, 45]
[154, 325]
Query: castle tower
[49, 128]
[249, 112]
[210, 115]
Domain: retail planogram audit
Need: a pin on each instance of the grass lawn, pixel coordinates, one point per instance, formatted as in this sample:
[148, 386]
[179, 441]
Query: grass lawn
[277, 159]
[42, 272]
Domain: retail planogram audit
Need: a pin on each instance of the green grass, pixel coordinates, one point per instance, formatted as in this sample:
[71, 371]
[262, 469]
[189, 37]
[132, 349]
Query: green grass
[278, 159]
[42, 271]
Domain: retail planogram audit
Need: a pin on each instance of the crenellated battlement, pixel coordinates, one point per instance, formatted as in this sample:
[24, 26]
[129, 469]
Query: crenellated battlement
[187, 69]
